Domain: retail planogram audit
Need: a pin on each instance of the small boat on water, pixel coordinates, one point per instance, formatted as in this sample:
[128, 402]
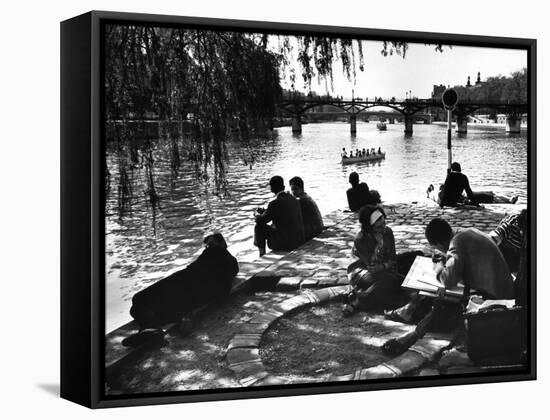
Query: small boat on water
[381, 126]
[370, 158]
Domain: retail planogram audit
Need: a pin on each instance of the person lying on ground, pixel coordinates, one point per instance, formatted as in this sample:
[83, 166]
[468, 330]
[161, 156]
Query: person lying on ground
[509, 235]
[373, 276]
[286, 231]
[206, 279]
[469, 254]
[311, 216]
[489, 197]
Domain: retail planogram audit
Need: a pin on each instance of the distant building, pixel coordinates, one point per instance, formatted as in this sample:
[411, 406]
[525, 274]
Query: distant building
[438, 113]
[438, 91]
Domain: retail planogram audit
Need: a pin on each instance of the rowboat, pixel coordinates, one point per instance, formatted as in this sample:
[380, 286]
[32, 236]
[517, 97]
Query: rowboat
[370, 158]
[381, 126]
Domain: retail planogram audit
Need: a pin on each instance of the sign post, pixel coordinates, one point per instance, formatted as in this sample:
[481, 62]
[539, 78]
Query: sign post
[449, 99]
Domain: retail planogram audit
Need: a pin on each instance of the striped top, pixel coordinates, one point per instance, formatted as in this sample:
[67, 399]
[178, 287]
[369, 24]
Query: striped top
[509, 231]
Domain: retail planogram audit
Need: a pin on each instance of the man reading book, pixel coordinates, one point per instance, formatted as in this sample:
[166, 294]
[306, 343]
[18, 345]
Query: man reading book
[473, 256]
[469, 256]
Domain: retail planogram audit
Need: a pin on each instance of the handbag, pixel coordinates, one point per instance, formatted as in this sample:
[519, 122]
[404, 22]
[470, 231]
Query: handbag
[496, 334]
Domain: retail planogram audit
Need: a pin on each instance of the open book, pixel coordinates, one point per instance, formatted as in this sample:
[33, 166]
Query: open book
[422, 277]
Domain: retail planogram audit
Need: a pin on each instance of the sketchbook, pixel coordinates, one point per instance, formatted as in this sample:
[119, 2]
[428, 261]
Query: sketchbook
[421, 277]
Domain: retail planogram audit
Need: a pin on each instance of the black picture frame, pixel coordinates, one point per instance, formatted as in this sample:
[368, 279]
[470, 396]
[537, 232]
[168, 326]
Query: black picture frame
[82, 210]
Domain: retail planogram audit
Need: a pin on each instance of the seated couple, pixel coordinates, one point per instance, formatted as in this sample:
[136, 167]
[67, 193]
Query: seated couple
[451, 191]
[289, 220]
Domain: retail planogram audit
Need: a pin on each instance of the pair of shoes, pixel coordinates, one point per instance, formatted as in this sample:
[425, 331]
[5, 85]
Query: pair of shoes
[146, 336]
[394, 347]
[394, 316]
[349, 297]
[348, 310]
[184, 327]
[429, 190]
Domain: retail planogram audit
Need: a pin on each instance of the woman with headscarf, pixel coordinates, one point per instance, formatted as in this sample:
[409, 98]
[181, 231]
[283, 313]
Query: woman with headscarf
[373, 277]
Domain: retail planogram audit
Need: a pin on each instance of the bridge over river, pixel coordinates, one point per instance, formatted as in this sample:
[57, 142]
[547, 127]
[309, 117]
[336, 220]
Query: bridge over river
[409, 110]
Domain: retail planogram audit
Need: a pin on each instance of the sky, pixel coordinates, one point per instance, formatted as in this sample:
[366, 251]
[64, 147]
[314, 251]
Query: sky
[421, 68]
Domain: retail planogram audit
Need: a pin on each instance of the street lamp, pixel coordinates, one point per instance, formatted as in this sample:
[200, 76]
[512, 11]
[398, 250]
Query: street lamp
[449, 99]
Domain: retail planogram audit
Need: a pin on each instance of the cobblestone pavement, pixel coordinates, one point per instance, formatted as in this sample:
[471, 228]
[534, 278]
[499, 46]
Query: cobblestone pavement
[313, 274]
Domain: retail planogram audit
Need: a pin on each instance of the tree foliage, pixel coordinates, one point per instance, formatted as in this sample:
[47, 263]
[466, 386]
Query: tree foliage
[207, 87]
[498, 89]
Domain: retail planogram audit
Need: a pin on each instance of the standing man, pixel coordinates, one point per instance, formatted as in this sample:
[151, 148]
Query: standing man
[286, 231]
[313, 221]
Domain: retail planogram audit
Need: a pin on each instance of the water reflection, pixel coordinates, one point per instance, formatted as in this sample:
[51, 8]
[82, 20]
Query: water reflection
[148, 242]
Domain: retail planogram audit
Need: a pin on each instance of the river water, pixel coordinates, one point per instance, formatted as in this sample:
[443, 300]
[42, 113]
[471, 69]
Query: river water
[144, 246]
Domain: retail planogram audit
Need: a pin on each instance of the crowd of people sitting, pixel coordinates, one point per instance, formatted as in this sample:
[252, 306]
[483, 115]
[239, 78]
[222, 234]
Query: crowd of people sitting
[360, 153]
[290, 219]
[487, 261]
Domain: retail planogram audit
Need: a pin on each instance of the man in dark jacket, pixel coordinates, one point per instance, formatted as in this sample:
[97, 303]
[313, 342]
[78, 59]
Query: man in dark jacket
[286, 231]
[455, 183]
[207, 278]
[313, 221]
[358, 194]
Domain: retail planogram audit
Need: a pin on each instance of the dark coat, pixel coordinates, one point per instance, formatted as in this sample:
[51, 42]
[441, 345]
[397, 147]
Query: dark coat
[358, 196]
[285, 214]
[208, 278]
[455, 184]
[313, 221]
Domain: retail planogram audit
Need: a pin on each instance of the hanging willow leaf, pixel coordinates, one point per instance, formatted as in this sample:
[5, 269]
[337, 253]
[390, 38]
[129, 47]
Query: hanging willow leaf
[218, 86]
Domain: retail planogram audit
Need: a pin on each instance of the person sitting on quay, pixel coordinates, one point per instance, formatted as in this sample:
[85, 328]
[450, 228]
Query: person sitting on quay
[469, 254]
[358, 194]
[313, 221]
[509, 236]
[373, 277]
[206, 279]
[286, 231]
[456, 183]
